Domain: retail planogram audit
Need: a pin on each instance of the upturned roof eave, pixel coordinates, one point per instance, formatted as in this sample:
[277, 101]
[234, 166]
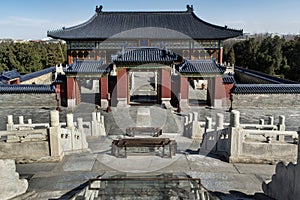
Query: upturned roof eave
[128, 38]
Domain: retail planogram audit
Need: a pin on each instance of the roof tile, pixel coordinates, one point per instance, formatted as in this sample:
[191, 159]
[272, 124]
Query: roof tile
[266, 88]
[146, 55]
[87, 66]
[200, 66]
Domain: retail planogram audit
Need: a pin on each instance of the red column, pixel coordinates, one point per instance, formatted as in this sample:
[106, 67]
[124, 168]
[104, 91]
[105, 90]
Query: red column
[71, 96]
[165, 84]
[219, 93]
[220, 60]
[184, 88]
[184, 91]
[69, 57]
[165, 89]
[103, 91]
[103, 87]
[122, 87]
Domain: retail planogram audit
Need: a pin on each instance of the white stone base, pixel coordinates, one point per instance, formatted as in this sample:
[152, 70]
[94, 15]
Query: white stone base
[104, 103]
[184, 103]
[122, 102]
[165, 103]
[71, 103]
[218, 103]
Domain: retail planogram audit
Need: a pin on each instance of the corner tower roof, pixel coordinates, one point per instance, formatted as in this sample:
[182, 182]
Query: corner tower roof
[172, 24]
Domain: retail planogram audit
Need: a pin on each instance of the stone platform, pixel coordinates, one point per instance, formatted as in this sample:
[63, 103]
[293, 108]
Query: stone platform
[231, 181]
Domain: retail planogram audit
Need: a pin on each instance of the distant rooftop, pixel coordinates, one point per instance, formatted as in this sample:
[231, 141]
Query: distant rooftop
[88, 66]
[266, 89]
[32, 88]
[37, 74]
[264, 76]
[8, 75]
[200, 67]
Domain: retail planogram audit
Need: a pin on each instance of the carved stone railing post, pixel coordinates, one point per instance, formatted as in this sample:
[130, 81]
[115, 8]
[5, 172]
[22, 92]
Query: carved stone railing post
[10, 123]
[235, 118]
[54, 134]
[219, 121]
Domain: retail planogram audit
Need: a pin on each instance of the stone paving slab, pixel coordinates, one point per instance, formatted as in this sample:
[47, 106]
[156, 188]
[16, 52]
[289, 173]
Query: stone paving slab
[214, 174]
[33, 168]
[208, 164]
[137, 164]
[99, 144]
[226, 182]
[143, 117]
[82, 162]
[255, 168]
[59, 181]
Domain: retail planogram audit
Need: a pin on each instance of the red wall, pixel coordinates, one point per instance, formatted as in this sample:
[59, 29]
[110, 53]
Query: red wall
[220, 91]
[184, 87]
[228, 88]
[71, 88]
[103, 87]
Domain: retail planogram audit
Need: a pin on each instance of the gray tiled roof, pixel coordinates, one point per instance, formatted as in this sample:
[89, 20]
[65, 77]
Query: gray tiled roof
[200, 66]
[8, 75]
[22, 88]
[228, 79]
[37, 74]
[180, 24]
[87, 66]
[266, 88]
[264, 76]
[146, 55]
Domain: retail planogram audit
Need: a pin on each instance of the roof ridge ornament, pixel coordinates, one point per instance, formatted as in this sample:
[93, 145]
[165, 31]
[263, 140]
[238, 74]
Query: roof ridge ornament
[99, 9]
[190, 8]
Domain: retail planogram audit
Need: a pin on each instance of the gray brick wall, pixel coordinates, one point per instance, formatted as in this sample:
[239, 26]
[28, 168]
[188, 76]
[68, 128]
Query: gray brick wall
[265, 100]
[27, 100]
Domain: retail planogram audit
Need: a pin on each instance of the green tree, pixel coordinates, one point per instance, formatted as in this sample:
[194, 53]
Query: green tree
[269, 56]
[291, 52]
[31, 56]
[231, 56]
[245, 53]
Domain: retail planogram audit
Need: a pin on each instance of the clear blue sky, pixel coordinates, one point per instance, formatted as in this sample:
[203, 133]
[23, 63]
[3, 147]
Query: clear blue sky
[30, 19]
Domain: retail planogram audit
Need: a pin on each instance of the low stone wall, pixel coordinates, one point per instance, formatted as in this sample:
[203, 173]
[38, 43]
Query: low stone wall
[25, 151]
[265, 100]
[30, 142]
[28, 100]
[249, 143]
[253, 151]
